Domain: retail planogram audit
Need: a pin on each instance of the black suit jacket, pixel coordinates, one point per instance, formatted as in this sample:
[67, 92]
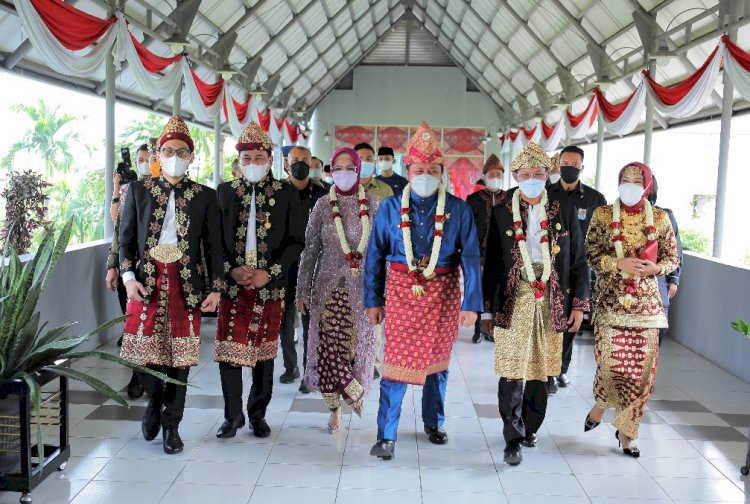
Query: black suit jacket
[503, 264]
[141, 220]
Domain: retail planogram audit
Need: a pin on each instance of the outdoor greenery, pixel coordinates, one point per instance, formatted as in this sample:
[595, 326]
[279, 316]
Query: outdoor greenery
[695, 241]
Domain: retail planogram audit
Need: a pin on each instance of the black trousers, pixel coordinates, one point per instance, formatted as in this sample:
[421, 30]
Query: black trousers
[261, 390]
[523, 406]
[478, 327]
[122, 295]
[567, 350]
[168, 395]
[288, 348]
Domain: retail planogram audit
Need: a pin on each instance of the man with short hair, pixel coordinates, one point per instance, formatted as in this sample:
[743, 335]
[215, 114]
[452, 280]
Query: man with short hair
[316, 172]
[262, 236]
[570, 190]
[387, 175]
[412, 281]
[367, 173]
[298, 167]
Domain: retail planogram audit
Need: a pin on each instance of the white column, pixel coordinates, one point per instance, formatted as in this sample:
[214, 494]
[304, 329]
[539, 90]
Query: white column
[599, 150]
[218, 158]
[109, 142]
[649, 125]
[177, 101]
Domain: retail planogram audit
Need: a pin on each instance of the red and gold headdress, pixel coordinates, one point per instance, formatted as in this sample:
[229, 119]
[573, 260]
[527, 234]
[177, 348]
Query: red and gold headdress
[492, 163]
[176, 129]
[254, 138]
[424, 146]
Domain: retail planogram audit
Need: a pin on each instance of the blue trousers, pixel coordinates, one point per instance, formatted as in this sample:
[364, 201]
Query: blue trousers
[392, 395]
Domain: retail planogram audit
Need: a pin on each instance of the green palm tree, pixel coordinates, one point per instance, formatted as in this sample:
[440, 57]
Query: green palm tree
[46, 137]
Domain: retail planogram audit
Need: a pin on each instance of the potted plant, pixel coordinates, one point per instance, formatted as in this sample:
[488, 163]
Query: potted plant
[32, 355]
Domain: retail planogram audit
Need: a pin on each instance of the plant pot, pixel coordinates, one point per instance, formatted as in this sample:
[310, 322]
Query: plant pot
[10, 434]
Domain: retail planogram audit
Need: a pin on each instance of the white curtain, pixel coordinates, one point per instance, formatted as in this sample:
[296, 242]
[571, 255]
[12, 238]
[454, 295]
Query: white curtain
[154, 85]
[558, 132]
[740, 77]
[199, 109]
[630, 117]
[235, 124]
[584, 127]
[274, 132]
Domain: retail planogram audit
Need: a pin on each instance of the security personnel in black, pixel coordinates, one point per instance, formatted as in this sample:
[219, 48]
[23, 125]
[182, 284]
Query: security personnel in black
[297, 165]
[569, 189]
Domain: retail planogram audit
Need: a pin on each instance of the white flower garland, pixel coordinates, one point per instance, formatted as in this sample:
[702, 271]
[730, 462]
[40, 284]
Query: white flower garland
[538, 285]
[428, 272]
[629, 280]
[355, 257]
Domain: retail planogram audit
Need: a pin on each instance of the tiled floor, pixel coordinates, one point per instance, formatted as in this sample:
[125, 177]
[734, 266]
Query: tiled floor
[693, 442]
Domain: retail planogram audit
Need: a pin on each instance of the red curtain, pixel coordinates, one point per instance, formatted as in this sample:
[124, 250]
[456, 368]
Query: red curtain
[738, 54]
[610, 111]
[74, 28]
[547, 129]
[209, 92]
[240, 108]
[671, 95]
[265, 119]
[575, 120]
[293, 131]
[513, 135]
[151, 61]
[529, 133]
[279, 122]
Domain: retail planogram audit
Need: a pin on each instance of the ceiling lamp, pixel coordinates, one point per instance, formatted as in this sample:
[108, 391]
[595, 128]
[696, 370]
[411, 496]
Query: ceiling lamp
[176, 42]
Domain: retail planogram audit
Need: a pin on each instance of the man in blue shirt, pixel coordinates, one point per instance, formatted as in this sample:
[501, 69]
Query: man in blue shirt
[417, 244]
[385, 168]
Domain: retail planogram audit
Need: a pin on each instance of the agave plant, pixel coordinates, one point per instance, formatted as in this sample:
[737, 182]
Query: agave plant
[26, 346]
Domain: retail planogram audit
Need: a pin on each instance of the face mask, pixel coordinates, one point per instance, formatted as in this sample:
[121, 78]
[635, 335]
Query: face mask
[532, 188]
[569, 174]
[344, 179]
[316, 173]
[300, 170]
[424, 185]
[174, 166]
[630, 194]
[554, 178]
[366, 169]
[494, 184]
[144, 168]
[254, 172]
[384, 165]
[328, 179]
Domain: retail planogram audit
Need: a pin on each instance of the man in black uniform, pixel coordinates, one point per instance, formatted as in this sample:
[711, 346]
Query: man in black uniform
[298, 167]
[569, 189]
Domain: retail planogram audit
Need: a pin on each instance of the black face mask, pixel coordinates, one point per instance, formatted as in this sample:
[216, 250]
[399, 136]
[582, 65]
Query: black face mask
[300, 170]
[569, 174]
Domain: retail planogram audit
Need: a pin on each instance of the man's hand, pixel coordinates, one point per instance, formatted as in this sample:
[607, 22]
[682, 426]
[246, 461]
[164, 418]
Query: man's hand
[116, 180]
[637, 266]
[575, 320]
[671, 290]
[467, 318]
[135, 290]
[241, 275]
[488, 326]
[111, 279]
[259, 278]
[211, 302]
[301, 306]
[376, 315]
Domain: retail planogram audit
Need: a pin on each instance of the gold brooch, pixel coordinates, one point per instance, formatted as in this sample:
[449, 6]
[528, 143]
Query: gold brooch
[267, 225]
[555, 249]
[558, 226]
[272, 202]
[509, 232]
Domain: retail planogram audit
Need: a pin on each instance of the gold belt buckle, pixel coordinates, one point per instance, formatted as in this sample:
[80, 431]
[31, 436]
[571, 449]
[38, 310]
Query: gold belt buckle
[251, 259]
[166, 253]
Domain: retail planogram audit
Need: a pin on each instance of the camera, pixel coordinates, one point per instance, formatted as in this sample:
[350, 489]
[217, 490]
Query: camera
[125, 167]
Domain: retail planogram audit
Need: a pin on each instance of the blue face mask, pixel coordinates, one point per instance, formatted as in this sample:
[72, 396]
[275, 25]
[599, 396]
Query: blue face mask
[532, 188]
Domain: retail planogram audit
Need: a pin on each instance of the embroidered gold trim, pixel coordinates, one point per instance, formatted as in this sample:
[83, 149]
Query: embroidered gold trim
[166, 253]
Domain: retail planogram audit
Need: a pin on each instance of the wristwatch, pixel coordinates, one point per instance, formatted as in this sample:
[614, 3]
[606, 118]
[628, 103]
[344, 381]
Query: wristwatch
[115, 200]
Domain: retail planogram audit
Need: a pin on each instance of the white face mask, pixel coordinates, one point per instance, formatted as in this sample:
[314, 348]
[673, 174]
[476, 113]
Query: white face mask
[554, 178]
[316, 173]
[328, 179]
[254, 172]
[384, 165]
[630, 194]
[424, 185]
[494, 184]
[366, 169]
[144, 168]
[174, 166]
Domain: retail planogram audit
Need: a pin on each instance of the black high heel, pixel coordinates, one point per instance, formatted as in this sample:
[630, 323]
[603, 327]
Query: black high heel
[633, 451]
[589, 424]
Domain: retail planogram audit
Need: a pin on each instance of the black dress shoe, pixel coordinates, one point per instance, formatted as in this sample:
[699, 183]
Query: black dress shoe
[135, 389]
[563, 380]
[530, 440]
[633, 451]
[229, 428]
[489, 338]
[151, 423]
[172, 441]
[375, 374]
[477, 338]
[384, 449]
[303, 387]
[119, 342]
[289, 375]
[437, 435]
[552, 385]
[512, 454]
[260, 427]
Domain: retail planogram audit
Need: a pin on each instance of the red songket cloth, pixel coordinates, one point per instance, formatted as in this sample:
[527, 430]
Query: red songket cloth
[163, 331]
[419, 331]
[247, 329]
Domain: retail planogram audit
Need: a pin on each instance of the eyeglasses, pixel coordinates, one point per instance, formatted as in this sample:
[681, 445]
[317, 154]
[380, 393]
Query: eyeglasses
[181, 153]
[348, 168]
[535, 176]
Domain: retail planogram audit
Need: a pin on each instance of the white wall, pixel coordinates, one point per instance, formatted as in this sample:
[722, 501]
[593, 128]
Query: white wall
[404, 96]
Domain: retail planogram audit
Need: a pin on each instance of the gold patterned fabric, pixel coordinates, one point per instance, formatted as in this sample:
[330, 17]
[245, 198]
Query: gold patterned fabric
[254, 138]
[529, 349]
[555, 163]
[532, 156]
[424, 146]
[627, 360]
[176, 129]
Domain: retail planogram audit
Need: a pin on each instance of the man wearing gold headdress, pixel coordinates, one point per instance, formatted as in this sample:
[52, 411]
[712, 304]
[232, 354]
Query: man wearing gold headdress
[164, 225]
[263, 235]
[418, 242]
[537, 262]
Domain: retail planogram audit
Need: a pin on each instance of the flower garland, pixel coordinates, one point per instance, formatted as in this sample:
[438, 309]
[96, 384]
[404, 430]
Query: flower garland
[353, 256]
[630, 281]
[539, 286]
[420, 274]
